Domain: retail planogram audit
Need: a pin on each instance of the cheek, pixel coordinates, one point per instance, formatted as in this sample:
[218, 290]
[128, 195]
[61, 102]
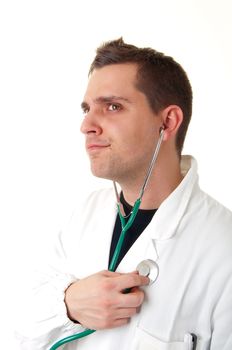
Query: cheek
[137, 145]
[130, 142]
[132, 137]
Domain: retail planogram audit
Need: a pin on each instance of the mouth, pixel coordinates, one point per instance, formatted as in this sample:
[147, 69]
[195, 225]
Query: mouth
[96, 147]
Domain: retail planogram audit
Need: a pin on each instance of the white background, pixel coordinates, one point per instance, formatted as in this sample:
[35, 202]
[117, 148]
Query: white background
[46, 49]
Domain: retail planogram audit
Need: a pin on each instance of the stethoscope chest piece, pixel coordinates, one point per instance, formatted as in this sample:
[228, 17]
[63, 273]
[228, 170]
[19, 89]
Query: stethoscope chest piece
[148, 268]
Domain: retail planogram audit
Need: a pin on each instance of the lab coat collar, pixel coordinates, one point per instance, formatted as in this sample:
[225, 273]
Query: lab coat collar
[169, 214]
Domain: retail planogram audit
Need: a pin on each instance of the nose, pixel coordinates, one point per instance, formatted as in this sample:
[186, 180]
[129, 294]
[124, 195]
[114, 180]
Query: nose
[90, 125]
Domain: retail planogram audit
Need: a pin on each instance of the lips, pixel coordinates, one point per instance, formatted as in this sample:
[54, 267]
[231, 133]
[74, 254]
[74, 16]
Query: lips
[96, 146]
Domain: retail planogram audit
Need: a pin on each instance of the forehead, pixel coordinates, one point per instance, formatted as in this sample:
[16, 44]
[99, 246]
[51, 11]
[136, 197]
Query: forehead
[112, 79]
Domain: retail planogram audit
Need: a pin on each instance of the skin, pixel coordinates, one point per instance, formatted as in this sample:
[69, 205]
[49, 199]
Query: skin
[121, 133]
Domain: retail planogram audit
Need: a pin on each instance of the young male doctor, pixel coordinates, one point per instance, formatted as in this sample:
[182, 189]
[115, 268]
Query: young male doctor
[133, 96]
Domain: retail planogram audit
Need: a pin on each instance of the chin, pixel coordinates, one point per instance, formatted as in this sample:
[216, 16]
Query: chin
[98, 173]
[101, 174]
[105, 171]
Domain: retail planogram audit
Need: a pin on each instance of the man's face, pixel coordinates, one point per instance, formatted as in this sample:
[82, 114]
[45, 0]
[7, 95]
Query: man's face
[120, 128]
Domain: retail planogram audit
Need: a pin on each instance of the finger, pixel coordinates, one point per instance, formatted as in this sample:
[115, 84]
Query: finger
[125, 312]
[107, 273]
[133, 299]
[131, 280]
[120, 322]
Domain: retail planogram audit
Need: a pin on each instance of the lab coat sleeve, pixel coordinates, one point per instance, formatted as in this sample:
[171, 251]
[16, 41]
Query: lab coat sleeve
[43, 317]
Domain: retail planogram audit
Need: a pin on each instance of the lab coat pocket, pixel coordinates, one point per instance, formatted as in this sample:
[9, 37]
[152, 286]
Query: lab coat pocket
[146, 341]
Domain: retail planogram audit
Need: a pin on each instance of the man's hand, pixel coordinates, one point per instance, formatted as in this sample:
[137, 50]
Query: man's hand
[99, 301]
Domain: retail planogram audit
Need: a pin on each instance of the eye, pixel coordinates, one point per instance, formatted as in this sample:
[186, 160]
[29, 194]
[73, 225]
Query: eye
[85, 110]
[85, 107]
[113, 107]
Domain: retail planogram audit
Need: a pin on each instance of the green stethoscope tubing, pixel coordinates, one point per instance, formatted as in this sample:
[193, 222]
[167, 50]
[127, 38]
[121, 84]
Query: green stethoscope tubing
[71, 338]
[125, 228]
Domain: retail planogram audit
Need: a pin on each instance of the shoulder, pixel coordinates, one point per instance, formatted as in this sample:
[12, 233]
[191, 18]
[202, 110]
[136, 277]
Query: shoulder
[213, 213]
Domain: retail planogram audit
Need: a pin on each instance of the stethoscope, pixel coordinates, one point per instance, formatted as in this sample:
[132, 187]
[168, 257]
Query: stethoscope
[148, 267]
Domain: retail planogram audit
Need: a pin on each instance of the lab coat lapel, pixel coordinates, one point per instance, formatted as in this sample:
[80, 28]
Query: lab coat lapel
[144, 248]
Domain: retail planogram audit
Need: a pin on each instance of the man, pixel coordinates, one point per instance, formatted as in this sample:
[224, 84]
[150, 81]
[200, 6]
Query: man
[132, 96]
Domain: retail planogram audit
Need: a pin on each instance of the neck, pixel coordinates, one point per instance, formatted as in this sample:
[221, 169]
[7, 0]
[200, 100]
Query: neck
[165, 178]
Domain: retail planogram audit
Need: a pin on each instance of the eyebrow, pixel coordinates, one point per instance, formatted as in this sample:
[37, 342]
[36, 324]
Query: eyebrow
[105, 99]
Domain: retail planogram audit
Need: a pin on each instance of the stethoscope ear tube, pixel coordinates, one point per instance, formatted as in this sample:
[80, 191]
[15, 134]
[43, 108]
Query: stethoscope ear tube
[152, 164]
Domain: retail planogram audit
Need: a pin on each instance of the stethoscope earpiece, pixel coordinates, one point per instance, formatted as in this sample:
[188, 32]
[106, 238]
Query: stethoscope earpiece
[162, 128]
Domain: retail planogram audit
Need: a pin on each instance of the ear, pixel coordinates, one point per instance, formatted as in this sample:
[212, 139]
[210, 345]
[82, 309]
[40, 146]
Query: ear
[172, 117]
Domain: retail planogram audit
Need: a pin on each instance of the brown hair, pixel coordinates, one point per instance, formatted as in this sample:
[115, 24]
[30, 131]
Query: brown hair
[159, 77]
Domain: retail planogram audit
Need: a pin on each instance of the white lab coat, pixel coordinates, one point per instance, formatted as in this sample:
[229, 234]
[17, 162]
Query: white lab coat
[190, 238]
